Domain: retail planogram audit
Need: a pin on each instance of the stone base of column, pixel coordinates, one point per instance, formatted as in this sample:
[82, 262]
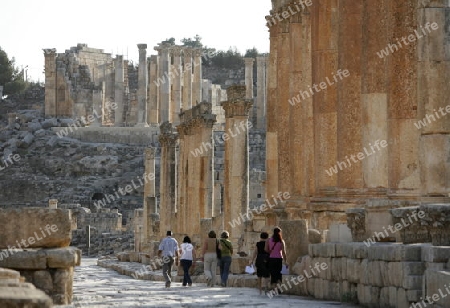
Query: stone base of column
[142, 125]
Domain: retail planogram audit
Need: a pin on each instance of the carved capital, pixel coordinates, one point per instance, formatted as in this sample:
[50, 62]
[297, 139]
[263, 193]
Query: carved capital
[176, 51]
[168, 140]
[197, 52]
[49, 52]
[436, 218]
[142, 46]
[249, 61]
[150, 153]
[237, 108]
[187, 51]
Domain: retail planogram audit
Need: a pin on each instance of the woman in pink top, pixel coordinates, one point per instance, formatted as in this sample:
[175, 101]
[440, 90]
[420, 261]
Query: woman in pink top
[276, 247]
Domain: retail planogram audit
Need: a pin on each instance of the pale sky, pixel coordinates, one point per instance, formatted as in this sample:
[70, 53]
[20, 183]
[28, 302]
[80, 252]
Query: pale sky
[28, 26]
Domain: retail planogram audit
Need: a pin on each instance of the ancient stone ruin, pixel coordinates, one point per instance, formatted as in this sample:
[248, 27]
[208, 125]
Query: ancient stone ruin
[341, 139]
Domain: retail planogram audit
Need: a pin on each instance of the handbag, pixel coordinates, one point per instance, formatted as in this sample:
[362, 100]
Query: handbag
[285, 270]
[250, 269]
[218, 251]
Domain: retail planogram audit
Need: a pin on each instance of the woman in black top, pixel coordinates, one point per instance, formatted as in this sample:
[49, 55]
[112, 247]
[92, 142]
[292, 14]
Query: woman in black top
[261, 257]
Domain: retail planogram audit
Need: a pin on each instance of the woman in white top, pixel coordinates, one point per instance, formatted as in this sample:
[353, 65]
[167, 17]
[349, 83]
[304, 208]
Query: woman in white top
[187, 259]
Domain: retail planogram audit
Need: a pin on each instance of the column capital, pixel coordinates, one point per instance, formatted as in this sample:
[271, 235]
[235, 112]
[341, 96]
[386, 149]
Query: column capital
[49, 52]
[249, 61]
[197, 52]
[237, 104]
[150, 153]
[261, 60]
[187, 51]
[168, 140]
[142, 46]
[176, 51]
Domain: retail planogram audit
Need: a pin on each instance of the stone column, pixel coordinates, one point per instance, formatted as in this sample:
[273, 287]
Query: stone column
[165, 82]
[236, 181]
[53, 203]
[182, 176]
[176, 101]
[1, 92]
[261, 95]
[119, 90]
[249, 77]
[197, 82]
[433, 106]
[50, 82]
[187, 81]
[154, 92]
[149, 194]
[97, 100]
[168, 140]
[142, 87]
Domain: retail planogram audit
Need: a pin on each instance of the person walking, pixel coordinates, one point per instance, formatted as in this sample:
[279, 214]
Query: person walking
[276, 248]
[210, 258]
[260, 259]
[168, 248]
[187, 258]
[226, 249]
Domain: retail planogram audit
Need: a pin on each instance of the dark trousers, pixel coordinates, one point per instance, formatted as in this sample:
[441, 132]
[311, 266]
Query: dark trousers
[186, 264]
[167, 269]
[225, 263]
[275, 265]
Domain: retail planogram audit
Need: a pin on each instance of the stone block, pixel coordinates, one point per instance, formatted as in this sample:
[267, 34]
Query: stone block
[435, 254]
[134, 257]
[63, 257]
[413, 295]
[43, 281]
[437, 285]
[314, 236]
[24, 295]
[295, 233]
[412, 282]
[354, 270]
[384, 297]
[35, 227]
[363, 273]
[6, 274]
[123, 257]
[27, 259]
[395, 252]
[238, 265]
[63, 286]
[402, 299]
[394, 274]
[340, 233]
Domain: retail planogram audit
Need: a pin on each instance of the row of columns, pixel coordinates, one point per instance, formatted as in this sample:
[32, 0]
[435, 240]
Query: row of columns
[187, 182]
[378, 100]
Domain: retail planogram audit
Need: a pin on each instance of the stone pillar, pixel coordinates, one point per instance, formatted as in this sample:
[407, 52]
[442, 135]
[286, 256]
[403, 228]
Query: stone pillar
[50, 82]
[154, 91]
[149, 194]
[236, 181]
[119, 90]
[249, 77]
[187, 81]
[165, 82]
[433, 103]
[142, 86]
[175, 104]
[1, 92]
[168, 140]
[11, 119]
[261, 95]
[197, 82]
[182, 177]
[53, 203]
[97, 100]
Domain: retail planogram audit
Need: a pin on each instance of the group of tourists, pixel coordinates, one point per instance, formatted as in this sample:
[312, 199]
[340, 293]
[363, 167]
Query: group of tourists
[268, 258]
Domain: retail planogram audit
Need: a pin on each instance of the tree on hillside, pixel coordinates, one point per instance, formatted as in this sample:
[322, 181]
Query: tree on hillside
[195, 42]
[251, 53]
[10, 77]
[170, 41]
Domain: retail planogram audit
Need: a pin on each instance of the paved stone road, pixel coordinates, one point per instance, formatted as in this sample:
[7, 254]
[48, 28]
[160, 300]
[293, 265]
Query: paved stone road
[95, 286]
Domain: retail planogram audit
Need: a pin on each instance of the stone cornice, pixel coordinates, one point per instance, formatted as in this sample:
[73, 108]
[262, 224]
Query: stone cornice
[49, 52]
